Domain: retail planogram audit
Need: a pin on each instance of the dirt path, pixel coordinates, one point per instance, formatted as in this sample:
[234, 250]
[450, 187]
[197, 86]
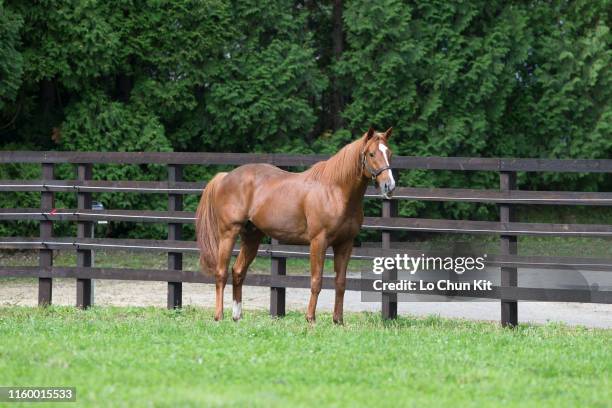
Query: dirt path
[136, 293]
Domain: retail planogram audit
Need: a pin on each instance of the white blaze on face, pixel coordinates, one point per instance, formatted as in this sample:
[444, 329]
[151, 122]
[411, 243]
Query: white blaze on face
[383, 149]
[236, 310]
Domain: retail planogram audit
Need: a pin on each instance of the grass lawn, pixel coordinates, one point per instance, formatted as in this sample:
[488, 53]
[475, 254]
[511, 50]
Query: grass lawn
[155, 357]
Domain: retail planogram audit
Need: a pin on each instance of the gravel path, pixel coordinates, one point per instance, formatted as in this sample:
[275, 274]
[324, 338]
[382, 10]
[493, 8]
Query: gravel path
[136, 293]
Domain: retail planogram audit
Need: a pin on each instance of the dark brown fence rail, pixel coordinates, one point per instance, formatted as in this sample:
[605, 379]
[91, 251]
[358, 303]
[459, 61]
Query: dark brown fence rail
[399, 162]
[506, 228]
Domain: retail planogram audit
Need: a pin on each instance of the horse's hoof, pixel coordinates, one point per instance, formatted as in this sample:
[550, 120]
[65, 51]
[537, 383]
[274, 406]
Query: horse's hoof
[237, 311]
[339, 322]
[311, 319]
[236, 319]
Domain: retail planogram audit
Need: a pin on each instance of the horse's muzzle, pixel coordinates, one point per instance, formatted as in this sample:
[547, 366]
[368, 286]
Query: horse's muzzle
[387, 187]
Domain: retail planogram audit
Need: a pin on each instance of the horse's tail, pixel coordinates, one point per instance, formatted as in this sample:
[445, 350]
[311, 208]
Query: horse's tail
[207, 230]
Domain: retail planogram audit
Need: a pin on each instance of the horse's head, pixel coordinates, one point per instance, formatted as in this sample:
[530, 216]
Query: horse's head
[376, 160]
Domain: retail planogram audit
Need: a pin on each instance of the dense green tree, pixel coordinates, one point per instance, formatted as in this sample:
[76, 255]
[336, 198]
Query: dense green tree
[268, 94]
[440, 72]
[562, 108]
[11, 60]
[482, 78]
[479, 78]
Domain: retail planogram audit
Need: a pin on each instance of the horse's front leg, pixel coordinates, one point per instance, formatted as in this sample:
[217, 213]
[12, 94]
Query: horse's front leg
[342, 255]
[317, 257]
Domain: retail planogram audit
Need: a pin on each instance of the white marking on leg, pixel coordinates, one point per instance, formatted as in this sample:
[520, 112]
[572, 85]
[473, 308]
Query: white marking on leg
[236, 310]
[383, 148]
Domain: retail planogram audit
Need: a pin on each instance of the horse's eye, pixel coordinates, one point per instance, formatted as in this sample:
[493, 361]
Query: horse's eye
[371, 154]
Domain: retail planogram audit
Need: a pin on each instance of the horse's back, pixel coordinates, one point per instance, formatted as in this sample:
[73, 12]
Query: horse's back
[261, 171]
[241, 186]
[254, 176]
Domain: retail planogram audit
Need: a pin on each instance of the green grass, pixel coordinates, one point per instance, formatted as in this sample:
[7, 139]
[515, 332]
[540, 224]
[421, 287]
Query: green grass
[155, 357]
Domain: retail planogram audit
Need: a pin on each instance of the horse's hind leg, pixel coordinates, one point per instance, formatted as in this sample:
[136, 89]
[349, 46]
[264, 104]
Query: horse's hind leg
[226, 245]
[250, 240]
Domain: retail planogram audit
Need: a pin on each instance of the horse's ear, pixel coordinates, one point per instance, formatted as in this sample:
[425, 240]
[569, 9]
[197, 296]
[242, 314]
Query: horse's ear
[388, 133]
[370, 133]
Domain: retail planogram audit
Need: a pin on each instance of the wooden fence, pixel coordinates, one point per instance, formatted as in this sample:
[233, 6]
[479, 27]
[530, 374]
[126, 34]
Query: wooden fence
[506, 228]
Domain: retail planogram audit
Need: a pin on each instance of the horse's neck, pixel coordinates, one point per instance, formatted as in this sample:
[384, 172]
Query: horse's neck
[343, 171]
[354, 194]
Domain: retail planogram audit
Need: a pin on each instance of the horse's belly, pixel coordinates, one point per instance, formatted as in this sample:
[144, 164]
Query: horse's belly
[286, 230]
[281, 217]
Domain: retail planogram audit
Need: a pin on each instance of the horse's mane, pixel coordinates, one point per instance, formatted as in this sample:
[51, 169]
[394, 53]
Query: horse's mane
[343, 167]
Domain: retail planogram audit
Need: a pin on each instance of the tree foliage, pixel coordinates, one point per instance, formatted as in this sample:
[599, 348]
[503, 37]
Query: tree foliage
[11, 60]
[479, 78]
[267, 95]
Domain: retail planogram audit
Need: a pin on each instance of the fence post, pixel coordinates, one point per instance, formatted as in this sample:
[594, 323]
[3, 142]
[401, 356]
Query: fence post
[277, 295]
[175, 232]
[84, 287]
[45, 256]
[389, 300]
[509, 308]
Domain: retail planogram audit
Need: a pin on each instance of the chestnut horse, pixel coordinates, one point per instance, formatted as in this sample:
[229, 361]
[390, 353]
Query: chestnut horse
[322, 207]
